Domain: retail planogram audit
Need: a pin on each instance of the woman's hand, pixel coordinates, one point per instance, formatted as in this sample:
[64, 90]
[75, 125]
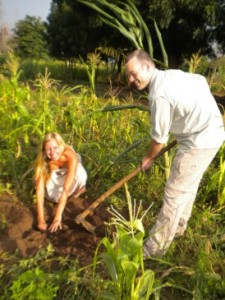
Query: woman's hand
[42, 226]
[56, 224]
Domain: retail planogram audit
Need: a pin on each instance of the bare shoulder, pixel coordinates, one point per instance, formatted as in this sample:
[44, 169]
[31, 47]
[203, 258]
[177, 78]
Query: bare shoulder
[69, 153]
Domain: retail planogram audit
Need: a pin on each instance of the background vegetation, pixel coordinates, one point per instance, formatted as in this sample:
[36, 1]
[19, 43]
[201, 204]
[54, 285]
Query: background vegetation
[68, 87]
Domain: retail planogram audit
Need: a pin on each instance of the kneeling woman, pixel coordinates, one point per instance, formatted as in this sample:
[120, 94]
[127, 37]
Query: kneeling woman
[58, 174]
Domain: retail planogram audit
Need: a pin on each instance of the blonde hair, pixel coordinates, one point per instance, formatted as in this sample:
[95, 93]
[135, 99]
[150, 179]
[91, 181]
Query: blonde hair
[42, 162]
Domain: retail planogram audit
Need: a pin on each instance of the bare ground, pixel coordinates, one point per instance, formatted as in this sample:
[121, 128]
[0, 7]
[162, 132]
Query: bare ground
[19, 234]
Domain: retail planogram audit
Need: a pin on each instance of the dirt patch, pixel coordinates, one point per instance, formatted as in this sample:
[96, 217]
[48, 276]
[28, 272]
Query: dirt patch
[18, 232]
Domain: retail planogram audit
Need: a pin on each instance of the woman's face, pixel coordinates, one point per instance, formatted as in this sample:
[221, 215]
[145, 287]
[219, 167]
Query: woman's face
[52, 150]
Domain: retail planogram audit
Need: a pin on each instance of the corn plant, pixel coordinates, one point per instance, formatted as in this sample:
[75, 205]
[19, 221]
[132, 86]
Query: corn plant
[214, 71]
[128, 21]
[217, 179]
[11, 67]
[216, 77]
[194, 62]
[93, 59]
[168, 157]
[221, 176]
[124, 259]
[46, 86]
[13, 96]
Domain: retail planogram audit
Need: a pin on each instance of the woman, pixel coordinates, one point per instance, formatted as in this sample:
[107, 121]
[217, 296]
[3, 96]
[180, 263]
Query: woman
[58, 174]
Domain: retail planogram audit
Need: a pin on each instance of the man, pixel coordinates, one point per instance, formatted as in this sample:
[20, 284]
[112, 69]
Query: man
[180, 103]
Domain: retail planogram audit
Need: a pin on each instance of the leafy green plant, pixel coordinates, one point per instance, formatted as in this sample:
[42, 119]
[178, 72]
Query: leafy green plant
[213, 69]
[128, 21]
[217, 179]
[11, 67]
[93, 59]
[35, 284]
[91, 125]
[216, 76]
[194, 62]
[168, 157]
[124, 259]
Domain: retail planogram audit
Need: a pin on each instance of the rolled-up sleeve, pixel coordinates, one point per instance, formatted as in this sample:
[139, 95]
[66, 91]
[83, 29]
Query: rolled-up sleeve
[161, 118]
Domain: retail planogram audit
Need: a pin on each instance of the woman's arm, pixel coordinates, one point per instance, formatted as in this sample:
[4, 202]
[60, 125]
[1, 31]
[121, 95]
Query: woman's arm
[72, 162]
[40, 193]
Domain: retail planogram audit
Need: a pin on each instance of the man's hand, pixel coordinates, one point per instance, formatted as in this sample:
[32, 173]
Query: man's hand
[152, 153]
[57, 224]
[146, 163]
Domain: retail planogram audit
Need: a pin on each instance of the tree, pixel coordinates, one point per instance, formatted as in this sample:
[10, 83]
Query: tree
[219, 31]
[187, 26]
[73, 29]
[29, 39]
[125, 18]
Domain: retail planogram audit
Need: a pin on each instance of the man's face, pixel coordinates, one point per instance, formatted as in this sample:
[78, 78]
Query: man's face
[138, 73]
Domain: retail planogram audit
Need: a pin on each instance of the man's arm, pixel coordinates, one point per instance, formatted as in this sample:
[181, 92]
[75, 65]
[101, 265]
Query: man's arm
[149, 158]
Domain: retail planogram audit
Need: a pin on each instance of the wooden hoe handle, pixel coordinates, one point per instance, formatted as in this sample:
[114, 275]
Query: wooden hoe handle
[81, 217]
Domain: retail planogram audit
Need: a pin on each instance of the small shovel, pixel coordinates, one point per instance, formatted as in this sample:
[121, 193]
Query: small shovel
[80, 219]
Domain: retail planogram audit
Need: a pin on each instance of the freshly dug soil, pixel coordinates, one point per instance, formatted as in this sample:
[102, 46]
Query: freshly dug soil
[19, 234]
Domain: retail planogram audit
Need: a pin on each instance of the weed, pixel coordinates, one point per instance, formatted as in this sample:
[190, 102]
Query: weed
[35, 284]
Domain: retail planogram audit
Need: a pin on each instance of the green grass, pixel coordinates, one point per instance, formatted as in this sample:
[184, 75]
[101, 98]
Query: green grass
[112, 142]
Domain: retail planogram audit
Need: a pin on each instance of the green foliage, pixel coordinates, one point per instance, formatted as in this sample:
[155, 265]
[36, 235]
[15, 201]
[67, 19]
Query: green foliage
[70, 34]
[11, 67]
[46, 276]
[185, 27]
[217, 75]
[124, 259]
[128, 21]
[43, 106]
[60, 70]
[194, 265]
[93, 59]
[216, 181]
[194, 63]
[2, 59]
[213, 69]
[181, 25]
[35, 284]
[29, 40]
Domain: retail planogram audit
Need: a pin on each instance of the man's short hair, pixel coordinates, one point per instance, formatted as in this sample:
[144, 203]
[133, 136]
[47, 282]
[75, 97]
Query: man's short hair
[140, 55]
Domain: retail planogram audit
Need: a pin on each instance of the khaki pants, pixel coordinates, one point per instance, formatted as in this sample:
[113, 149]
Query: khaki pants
[180, 192]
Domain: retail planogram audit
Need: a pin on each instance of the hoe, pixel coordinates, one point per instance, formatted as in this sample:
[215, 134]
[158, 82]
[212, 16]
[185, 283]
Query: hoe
[80, 219]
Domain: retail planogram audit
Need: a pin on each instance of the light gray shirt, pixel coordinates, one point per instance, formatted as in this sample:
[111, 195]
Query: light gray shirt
[181, 103]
